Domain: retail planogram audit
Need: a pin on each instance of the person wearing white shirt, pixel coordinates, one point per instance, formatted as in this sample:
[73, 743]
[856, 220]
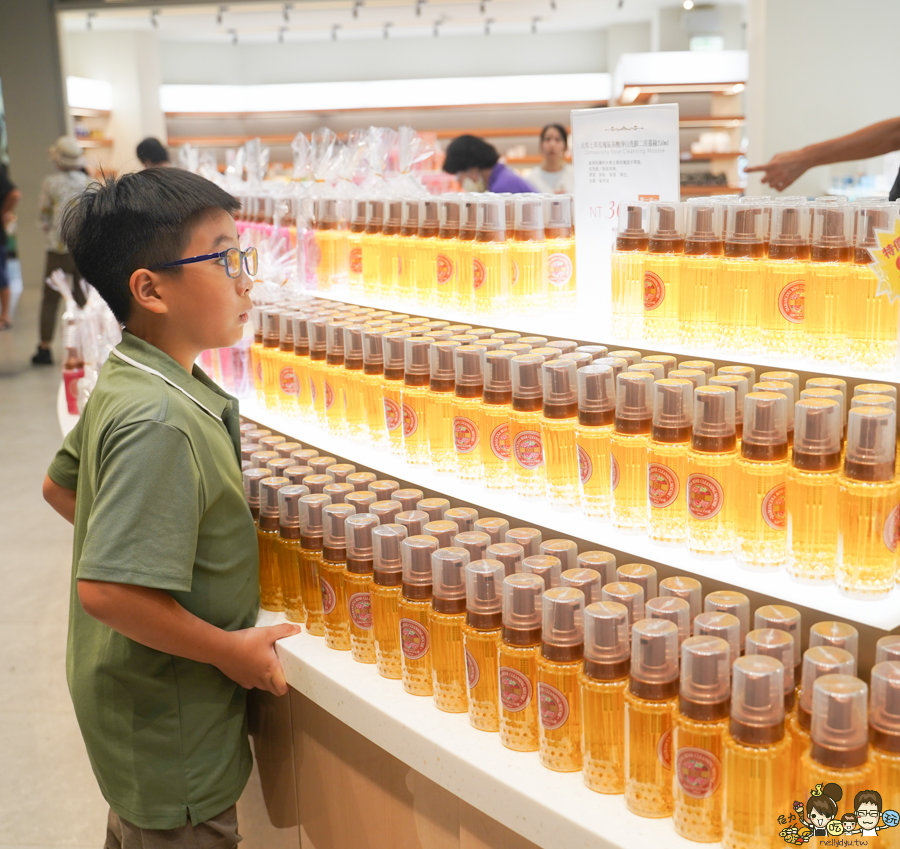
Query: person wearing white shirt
[554, 174]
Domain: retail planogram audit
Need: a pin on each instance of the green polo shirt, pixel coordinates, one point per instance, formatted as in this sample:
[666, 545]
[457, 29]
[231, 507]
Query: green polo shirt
[155, 463]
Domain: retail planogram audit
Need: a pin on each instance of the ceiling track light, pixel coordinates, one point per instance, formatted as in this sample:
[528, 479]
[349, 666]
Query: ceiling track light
[387, 28]
[334, 32]
[286, 12]
[534, 22]
[220, 14]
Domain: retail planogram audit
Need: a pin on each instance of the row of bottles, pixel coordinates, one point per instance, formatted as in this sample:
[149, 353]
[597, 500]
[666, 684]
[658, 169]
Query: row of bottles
[597, 667]
[784, 277]
[724, 464]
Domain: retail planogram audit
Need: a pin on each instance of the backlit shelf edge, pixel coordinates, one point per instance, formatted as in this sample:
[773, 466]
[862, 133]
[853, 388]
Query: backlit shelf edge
[882, 615]
[551, 809]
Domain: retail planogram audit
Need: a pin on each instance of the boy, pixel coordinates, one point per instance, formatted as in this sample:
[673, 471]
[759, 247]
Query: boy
[165, 589]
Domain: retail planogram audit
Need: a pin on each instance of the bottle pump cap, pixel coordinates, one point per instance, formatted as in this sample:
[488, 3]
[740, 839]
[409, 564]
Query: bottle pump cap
[522, 609]
[832, 225]
[413, 520]
[818, 427]
[491, 219]
[338, 492]
[495, 528]
[641, 574]
[617, 364]
[546, 354]
[884, 706]
[601, 562]
[280, 466]
[838, 634]
[747, 372]
[658, 370]
[417, 366]
[869, 217]
[789, 376]
[703, 365]
[268, 443]
[547, 567]
[449, 580]
[469, 370]
[790, 226]
[353, 346]
[465, 517]
[312, 521]
[320, 464]
[373, 348]
[819, 661]
[509, 554]
[484, 594]
[443, 531]
[408, 498]
[562, 637]
[528, 538]
[474, 542]
[757, 705]
[765, 426]
[741, 387]
[780, 645]
[630, 596]
[595, 351]
[361, 480]
[334, 536]
[260, 459]
[580, 358]
[340, 471]
[675, 610]
[888, 648]
[587, 580]
[782, 618]
[443, 367]
[705, 678]
[666, 221]
[654, 659]
[416, 554]
[534, 341]
[631, 357]
[317, 483]
[560, 389]
[384, 489]
[498, 377]
[271, 326]
[387, 542]
[393, 346]
[729, 601]
[634, 402]
[607, 653]
[386, 511]
[840, 722]
[450, 217]
[596, 394]
[434, 507]
[317, 329]
[409, 217]
[360, 554]
[248, 449]
[875, 389]
[873, 401]
[529, 218]
[689, 589]
[557, 216]
[673, 407]
[303, 456]
[714, 419]
[871, 434]
[526, 377]
[704, 221]
[633, 222]
[285, 449]
[268, 501]
[830, 383]
[361, 501]
[563, 549]
[257, 434]
[334, 341]
[289, 510]
[724, 625]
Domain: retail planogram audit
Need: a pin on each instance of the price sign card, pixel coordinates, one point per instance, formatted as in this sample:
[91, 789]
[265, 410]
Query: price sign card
[620, 154]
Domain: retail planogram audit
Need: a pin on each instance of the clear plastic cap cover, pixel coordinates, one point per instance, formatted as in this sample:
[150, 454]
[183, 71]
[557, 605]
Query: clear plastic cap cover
[563, 618]
[564, 549]
[603, 562]
[839, 634]
[509, 554]
[873, 401]
[757, 698]
[413, 520]
[705, 670]
[617, 364]
[730, 601]
[334, 516]
[386, 511]
[387, 542]
[358, 529]
[465, 517]
[586, 580]
[497, 371]
[631, 357]
[888, 648]
[522, 605]
[871, 436]
[694, 375]
[606, 632]
[268, 495]
[690, 589]
[724, 625]
[818, 425]
[666, 220]
[884, 703]
[705, 366]
[633, 219]
[714, 411]
[289, 505]
[529, 538]
[832, 225]
[673, 403]
[781, 618]
[312, 508]
[560, 386]
[819, 661]
[747, 372]
[840, 715]
[408, 498]
[494, 527]
[658, 370]
[765, 419]
[631, 596]
[675, 610]
[475, 542]
[777, 644]
[417, 356]
[642, 574]
[252, 478]
[547, 568]
[448, 573]
[596, 388]
[443, 366]
[634, 396]
[434, 507]
[416, 554]
[445, 532]
[526, 376]
[484, 586]
[654, 651]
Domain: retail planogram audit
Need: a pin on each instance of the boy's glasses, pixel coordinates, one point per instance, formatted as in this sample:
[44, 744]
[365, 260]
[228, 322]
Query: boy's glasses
[234, 258]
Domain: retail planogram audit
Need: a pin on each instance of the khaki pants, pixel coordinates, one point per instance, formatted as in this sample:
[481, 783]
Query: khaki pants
[220, 832]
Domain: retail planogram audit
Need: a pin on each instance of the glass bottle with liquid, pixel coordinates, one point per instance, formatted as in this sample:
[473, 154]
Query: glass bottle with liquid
[256, 350]
[663, 272]
[371, 247]
[334, 381]
[560, 411]
[416, 378]
[311, 541]
[742, 278]
[699, 740]
[354, 244]
[517, 658]
[387, 542]
[650, 705]
[831, 279]
[710, 471]
[760, 476]
[559, 231]
[414, 609]
[783, 300]
[867, 503]
[604, 680]
[670, 438]
[354, 388]
[394, 350]
[465, 252]
[407, 249]
[331, 576]
[425, 251]
[773, 642]
[491, 256]
[290, 550]
[271, 595]
[447, 251]
[703, 249]
[372, 378]
[389, 250]
[756, 784]
[439, 402]
[629, 253]
[629, 443]
[318, 345]
[269, 356]
[300, 366]
[780, 617]
[286, 380]
[445, 622]
[884, 737]
[467, 405]
[558, 689]
[528, 264]
[596, 420]
[689, 589]
[481, 638]
[357, 580]
[496, 463]
[811, 492]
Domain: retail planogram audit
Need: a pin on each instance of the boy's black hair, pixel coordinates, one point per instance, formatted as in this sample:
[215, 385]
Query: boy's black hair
[152, 150]
[140, 220]
[466, 152]
[560, 129]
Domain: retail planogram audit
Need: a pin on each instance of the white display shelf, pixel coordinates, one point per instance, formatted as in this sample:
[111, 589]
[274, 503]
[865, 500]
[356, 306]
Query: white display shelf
[582, 325]
[882, 615]
[551, 809]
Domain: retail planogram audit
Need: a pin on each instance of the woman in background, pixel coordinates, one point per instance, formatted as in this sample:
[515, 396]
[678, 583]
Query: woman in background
[478, 168]
[554, 174]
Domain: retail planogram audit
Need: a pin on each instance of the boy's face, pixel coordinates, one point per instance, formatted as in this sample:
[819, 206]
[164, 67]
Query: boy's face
[205, 307]
[867, 815]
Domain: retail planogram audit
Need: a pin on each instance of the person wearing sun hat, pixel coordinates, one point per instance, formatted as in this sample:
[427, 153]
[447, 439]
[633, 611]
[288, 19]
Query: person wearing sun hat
[69, 180]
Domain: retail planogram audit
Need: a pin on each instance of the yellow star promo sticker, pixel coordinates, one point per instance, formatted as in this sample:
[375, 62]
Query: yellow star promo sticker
[886, 261]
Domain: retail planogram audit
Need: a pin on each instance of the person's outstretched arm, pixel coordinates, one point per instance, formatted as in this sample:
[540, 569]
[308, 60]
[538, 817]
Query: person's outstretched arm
[875, 140]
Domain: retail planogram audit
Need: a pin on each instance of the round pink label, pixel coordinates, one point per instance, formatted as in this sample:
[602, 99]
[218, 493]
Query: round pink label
[410, 421]
[288, 381]
[515, 690]
[698, 772]
[356, 260]
[704, 496]
[662, 485]
[329, 395]
[554, 706]
[259, 371]
[664, 749]
[891, 530]
[392, 414]
[791, 301]
[528, 449]
[515, 273]
[413, 639]
[479, 274]
[774, 510]
[500, 441]
[473, 673]
[444, 269]
[328, 595]
[613, 472]
[560, 269]
[360, 605]
[585, 466]
[654, 291]
[465, 435]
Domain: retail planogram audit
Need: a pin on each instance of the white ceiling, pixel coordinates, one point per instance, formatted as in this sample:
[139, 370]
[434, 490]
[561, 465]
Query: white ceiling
[314, 20]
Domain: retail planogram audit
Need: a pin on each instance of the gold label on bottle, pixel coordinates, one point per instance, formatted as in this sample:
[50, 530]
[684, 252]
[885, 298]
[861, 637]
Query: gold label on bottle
[585, 466]
[500, 442]
[410, 421]
[791, 301]
[529, 449]
[705, 496]
[664, 749]
[329, 597]
[663, 485]
[554, 706]
[473, 673]
[360, 605]
[774, 508]
[698, 772]
[392, 414]
[414, 641]
[654, 291]
[287, 381]
[559, 269]
[515, 690]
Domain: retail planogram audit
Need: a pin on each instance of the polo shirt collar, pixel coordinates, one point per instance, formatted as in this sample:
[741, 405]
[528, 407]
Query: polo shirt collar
[196, 385]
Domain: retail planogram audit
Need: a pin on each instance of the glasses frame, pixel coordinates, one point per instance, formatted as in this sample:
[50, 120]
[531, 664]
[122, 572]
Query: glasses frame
[245, 261]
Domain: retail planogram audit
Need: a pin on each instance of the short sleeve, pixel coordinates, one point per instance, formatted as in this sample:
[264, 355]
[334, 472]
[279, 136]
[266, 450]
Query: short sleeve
[144, 520]
[64, 468]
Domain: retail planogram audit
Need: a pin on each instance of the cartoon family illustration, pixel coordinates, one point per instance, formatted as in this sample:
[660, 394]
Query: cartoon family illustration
[819, 818]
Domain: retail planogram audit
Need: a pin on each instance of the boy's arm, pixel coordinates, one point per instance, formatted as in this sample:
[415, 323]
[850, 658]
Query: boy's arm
[61, 499]
[154, 619]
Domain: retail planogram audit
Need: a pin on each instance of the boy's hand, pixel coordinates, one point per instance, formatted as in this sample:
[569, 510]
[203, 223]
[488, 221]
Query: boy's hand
[250, 658]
